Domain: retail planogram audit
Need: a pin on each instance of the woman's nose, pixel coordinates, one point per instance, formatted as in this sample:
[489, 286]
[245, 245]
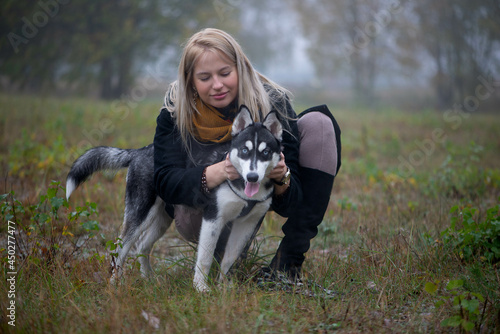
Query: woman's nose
[217, 83]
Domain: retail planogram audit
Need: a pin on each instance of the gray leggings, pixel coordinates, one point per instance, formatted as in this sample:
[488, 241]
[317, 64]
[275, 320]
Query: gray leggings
[318, 147]
[318, 150]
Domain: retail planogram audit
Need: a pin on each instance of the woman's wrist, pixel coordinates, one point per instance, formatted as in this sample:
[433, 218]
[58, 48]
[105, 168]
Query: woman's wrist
[204, 184]
[282, 183]
[283, 178]
[281, 189]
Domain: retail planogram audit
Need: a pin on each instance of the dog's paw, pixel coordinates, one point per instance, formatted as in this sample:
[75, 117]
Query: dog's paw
[201, 285]
[116, 275]
[200, 280]
[115, 279]
[226, 281]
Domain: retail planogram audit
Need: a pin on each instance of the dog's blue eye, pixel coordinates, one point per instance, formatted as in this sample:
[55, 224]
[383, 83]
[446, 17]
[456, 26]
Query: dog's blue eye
[266, 152]
[244, 150]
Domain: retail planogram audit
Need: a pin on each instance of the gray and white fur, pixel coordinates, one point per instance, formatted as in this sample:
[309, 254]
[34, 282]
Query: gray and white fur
[254, 151]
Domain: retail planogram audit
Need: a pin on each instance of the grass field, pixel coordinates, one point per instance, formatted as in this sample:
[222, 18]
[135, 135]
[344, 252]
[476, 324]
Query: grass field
[410, 242]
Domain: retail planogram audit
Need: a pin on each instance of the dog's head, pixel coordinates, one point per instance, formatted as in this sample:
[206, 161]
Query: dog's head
[256, 147]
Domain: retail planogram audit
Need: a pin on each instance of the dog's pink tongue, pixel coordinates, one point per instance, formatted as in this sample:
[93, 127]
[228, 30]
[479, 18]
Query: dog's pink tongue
[251, 188]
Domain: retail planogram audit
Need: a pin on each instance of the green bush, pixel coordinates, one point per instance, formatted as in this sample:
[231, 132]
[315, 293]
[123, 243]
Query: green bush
[473, 239]
[461, 174]
[464, 306]
[49, 232]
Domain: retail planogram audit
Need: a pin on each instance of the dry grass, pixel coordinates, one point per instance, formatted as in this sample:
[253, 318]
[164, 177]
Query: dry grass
[378, 246]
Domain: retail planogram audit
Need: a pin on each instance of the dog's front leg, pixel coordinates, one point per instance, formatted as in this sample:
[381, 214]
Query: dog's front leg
[210, 232]
[241, 232]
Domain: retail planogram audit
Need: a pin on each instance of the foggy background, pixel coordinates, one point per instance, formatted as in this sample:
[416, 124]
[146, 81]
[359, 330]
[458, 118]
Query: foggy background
[413, 55]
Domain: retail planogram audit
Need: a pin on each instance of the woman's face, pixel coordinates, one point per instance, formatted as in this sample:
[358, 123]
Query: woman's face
[216, 79]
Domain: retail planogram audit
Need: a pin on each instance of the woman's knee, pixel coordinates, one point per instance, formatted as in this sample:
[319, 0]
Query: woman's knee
[318, 146]
[188, 222]
[312, 120]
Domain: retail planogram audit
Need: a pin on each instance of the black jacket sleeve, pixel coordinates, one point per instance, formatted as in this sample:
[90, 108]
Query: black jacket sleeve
[286, 203]
[174, 183]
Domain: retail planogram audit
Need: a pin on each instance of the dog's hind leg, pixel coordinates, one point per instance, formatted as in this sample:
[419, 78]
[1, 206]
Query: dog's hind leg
[157, 222]
[140, 200]
[127, 239]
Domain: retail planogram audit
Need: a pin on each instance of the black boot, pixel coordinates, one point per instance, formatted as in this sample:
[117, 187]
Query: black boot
[302, 225]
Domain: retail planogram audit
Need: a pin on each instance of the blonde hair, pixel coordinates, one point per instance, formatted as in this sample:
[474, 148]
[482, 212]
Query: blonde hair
[180, 98]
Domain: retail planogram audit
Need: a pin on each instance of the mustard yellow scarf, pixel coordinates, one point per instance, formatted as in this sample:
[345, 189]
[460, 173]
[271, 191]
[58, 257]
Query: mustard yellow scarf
[211, 125]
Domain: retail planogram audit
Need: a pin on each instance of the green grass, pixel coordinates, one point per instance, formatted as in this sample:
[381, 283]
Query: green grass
[378, 247]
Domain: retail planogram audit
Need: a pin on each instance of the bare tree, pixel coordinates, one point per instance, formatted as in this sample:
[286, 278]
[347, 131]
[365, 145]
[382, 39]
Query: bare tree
[461, 37]
[352, 36]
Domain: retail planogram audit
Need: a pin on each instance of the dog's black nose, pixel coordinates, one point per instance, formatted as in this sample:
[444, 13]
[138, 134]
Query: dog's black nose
[252, 177]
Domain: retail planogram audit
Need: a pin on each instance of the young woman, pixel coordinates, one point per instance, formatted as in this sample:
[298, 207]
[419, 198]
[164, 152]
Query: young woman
[214, 79]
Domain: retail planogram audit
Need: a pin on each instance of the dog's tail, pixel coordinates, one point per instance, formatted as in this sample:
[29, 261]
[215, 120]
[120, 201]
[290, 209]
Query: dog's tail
[94, 160]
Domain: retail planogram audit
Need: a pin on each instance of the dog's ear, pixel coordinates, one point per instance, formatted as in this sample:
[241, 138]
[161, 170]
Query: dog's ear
[241, 121]
[272, 123]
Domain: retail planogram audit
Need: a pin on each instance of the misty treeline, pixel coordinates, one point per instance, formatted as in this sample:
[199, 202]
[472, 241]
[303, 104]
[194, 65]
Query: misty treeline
[90, 44]
[102, 46]
[456, 42]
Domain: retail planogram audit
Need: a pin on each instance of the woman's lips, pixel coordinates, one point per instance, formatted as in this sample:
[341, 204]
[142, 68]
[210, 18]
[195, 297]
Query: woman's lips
[220, 96]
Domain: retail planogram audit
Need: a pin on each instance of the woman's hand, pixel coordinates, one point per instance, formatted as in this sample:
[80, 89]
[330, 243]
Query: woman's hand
[220, 172]
[277, 174]
[231, 172]
[280, 170]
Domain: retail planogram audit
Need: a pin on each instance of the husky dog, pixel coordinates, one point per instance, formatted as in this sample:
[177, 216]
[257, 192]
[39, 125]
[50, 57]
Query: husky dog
[254, 152]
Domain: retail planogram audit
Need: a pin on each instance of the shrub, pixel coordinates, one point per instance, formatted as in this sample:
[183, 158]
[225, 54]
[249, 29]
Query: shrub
[466, 309]
[462, 174]
[473, 239]
[49, 232]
